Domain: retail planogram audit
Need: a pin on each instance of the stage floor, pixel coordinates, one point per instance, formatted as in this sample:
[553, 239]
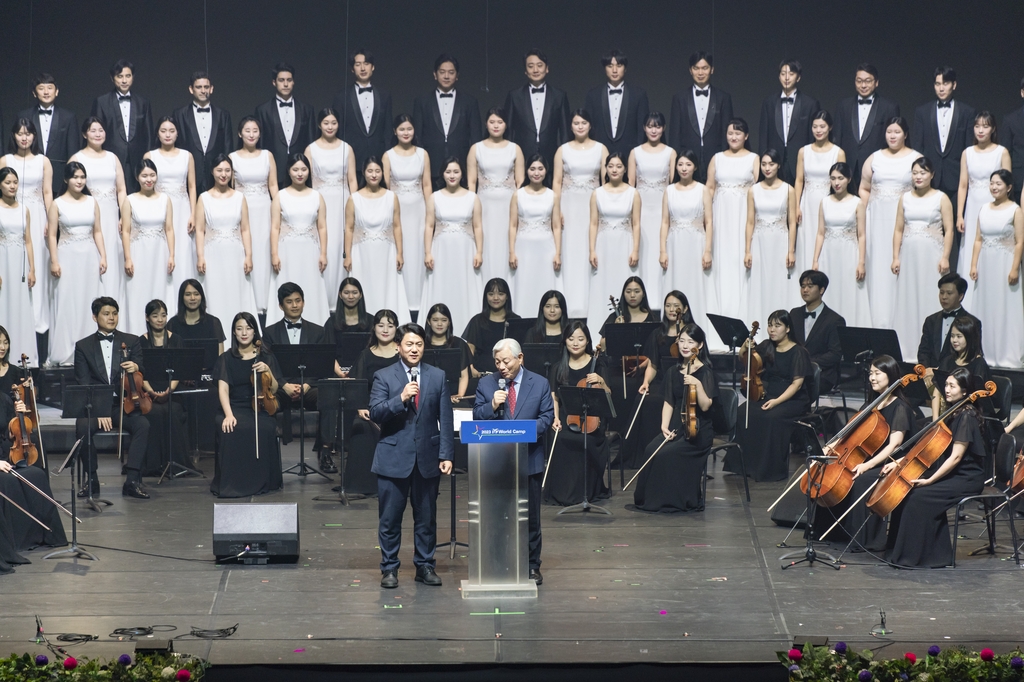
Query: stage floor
[630, 587]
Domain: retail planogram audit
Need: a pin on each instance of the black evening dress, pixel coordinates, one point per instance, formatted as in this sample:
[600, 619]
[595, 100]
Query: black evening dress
[625, 397]
[158, 447]
[483, 333]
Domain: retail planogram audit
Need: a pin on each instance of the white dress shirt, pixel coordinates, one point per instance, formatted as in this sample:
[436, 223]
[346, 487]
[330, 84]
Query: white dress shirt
[947, 322]
[204, 124]
[615, 105]
[287, 115]
[45, 121]
[787, 116]
[294, 333]
[126, 113]
[365, 100]
[945, 116]
[863, 111]
[809, 321]
[446, 105]
[701, 105]
[107, 347]
[537, 100]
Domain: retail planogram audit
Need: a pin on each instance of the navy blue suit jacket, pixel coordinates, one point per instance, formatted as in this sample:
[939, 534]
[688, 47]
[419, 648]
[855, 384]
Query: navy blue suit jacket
[411, 437]
[533, 401]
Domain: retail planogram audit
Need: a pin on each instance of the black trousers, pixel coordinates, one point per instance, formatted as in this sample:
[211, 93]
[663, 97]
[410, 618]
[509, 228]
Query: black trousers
[135, 424]
[290, 411]
[533, 485]
[392, 496]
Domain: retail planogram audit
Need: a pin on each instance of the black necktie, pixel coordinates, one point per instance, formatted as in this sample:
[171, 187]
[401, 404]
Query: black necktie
[446, 94]
[811, 314]
[284, 104]
[945, 105]
[953, 313]
[540, 90]
[360, 91]
[45, 112]
[787, 100]
[292, 325]
[202, 110]
[615, 91]
[864, 100]
[124, 98]
[700, 93]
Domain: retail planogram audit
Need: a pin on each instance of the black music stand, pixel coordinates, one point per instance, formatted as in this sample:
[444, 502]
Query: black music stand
[348, 346]
[453, 542]
[345, 394]
[296, 359]
[448, 360]
[627, 340]
[88, 402]
[74, 550]
[539, 357]
[808, 555]
[519, 328]
[210, 348]
[583, 403]
[179, 364]
[733, 332]
[861, 345]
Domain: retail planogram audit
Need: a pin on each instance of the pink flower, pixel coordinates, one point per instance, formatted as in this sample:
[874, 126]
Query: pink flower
[910, 657]
[987, 654]
[70, 663]
[183, 675]
[795, 655]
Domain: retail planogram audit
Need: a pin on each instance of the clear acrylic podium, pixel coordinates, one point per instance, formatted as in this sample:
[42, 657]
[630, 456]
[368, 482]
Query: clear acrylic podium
[499, 520]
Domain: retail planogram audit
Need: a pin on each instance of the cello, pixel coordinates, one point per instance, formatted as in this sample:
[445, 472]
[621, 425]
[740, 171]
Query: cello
[923, 450]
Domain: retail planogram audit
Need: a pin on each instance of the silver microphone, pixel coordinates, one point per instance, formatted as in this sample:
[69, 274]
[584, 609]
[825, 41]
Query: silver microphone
[415, 374]
[501, 387]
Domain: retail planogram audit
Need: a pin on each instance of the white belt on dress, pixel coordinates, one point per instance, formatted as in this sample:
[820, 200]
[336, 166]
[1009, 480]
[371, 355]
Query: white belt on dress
[290, 232]
[328, 182]
[687, 225]
[580, 183]
[256, 189]
[843, 234]
[109, 195]
[175, 191]
[920, 230]
[538, 225]
[231, 234]
[817, 186]
[774, 226]
[486, 184]
[75, 236]
[978, 186]
[362, 235]
[140, 233]
[449, 227]
[733, 188]
[878, 193]
[406, 187]
[621, 225]
[12, 238]
[1004, 242]
[645, 185]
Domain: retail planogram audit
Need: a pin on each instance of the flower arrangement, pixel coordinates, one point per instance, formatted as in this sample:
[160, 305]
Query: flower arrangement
[125, 668]
[956, 664]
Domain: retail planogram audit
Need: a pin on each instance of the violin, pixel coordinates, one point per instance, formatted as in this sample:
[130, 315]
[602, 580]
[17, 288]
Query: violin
[134, 396]
[27, 382]
[688, 411]
[21, 427]
[573, 421]
[265, 397]
[1017, 482]
[631, 364]
[923, 450]
[754, 365]
[856, 443]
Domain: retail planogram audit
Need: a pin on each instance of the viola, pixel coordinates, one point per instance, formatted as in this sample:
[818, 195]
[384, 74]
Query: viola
[265, 398]
[751, 359]
[573, 421]
[134, 396]
[21, 428]
[923, 450]
[856, 443]
[631, 364]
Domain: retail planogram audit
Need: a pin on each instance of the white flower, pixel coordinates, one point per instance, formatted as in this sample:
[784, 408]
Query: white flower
[167, 673]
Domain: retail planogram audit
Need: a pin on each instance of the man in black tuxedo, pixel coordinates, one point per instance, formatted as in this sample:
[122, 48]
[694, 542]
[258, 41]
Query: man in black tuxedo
[941, 131]
[447, 121]
[786, 119]
[537, 114]
[286, 125]
[816, 326]
[935, 331]
[364, 111]
[861, 121]
[127, 120]
[618, 111]
[203, 129]
[59, 135]
[700, 114]
[1013, 139]
[96, 362]
[294, 330]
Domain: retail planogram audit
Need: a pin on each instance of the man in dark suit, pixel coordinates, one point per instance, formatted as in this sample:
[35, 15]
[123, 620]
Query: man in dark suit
[537, 114]
[941, 131]
[935, 331]
[364, 111]
[447, 121]
[817, 327]
[127, 120]
[96, 362]
[700, 114]
[286, 125]
[1013, 139]
[411, 403]
[59, 135]
[204, 130]
[861, 121]
[527, 396]
[785, 123]
[618, 111]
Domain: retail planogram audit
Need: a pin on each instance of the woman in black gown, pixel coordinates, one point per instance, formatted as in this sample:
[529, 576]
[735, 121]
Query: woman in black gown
[565, 475]
[157, 452]
[672, 481]
[439, 329]
[382, 352]
[551, 319]
[487, 327]
[242, 470]
[787, 368]
[918, 528]
[965, 340]
[192, 321]
[899, 415]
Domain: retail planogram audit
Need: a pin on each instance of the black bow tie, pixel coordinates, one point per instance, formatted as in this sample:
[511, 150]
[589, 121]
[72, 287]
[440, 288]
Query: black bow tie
[360, 90]
[865, 100]
[811, 314]
[446, 94]
[124, 98]
[787, 100]
[284, 104]
[105, 337]
[202, 110]
[292, 325]
[945, 105]
[534, 91]
[701, 93]
[950, 314]
[614, 91]
[45, 112]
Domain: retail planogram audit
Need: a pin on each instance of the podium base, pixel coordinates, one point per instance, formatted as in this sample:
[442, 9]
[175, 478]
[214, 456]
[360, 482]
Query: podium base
[527, 590]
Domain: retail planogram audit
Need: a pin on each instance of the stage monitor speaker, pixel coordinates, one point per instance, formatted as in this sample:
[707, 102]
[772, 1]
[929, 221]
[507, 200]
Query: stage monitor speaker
[256, 533]
[790, 509]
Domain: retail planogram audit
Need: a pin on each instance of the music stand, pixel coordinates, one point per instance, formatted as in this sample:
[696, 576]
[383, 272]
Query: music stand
[448, 360]
[88, 402]
[733, 332]
[74, 550]
[519, 328]
[348, 346]
[179, 364]
[209, 346]
[352, 394]
[861, 345]
[296, 359]
[583, 403]
[625, 340]
[808, 554]
[539, 357]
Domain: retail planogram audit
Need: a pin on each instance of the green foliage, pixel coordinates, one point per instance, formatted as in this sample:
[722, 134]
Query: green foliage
[956, 664]
[143, 668]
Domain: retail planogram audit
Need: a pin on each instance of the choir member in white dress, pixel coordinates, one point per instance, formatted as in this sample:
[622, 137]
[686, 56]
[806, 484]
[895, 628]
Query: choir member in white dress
[148, 239]
[298, 242]
[176, 178]
[885, 177]
[650, 171]
[977, 164]
[256, 178]
[577, 173]
[17, 268]
[534, 235]
[35, 194]
[494, 169]
[453, 247]
[770, 239]
[407, 174]
[686, 238]
[995, 269]
[813, 163]
[841, 247]
[730, 174]
[921, 246]
[76, 265]
[107, 187]
[224, 246]
[614, 239]
[334, 176]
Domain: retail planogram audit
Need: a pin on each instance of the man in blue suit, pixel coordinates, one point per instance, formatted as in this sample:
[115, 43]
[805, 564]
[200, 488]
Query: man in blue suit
[520, 395]
[411, 403]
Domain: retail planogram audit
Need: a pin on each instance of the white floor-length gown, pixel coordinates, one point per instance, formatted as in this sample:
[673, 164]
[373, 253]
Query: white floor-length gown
[685, 246]
[330, 178]
[298, 247]
[535, 249]
[16, 313]
[229, 290]
[920, 254]
[149, 254]
[838, 260]
[496, 182]
[733, 177]
[374, 255]
[997, 304]
[172, 180]
[79, 281]
[406, 182]
[980, 166]
[454, 281]
[613, 247]
[652, 175]
[101, 179]
[581, 172]
[30, 195]
[769, 285]
[816, 188]
[251, 180]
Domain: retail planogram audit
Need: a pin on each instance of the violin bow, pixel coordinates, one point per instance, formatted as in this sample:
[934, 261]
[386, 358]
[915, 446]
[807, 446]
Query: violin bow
[635, 414]
[256, 398]
[18, 506]
[35, 408]
[648, 461]
[849, 509]
[551, 456]
[750, 379]
[52, 501]
[120, 431]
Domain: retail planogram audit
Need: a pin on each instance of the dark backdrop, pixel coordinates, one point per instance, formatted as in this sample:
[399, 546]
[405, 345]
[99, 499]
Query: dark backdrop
[169, 39]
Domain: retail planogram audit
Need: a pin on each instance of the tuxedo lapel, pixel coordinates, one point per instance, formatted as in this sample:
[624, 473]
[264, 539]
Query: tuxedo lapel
[819, 324]
[54, 128]
[100, 367]
[132, 111]
[193, 129]
[214, 126]
[545, 115]
[712, 109]
[780, 119]
[115, 115]
[933, 123]
[375, 116]
[872, 115]
[456, 108]
[436, 111]
[692, 111]
[623, 112]
[606, 108]
[357, 114]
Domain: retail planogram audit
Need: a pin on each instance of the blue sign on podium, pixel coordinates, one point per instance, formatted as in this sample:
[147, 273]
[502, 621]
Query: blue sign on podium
[494, 431]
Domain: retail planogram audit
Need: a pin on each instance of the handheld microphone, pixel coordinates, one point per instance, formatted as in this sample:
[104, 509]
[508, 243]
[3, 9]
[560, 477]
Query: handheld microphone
[501, 408]
[415, 374]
